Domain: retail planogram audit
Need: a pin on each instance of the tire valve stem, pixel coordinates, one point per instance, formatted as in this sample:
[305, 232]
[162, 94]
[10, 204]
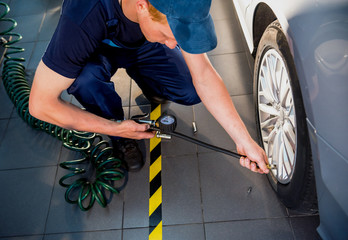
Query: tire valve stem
[271, 166]
[194, 127]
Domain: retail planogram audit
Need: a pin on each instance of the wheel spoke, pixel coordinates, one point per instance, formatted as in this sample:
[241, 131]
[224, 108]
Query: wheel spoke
[284, 93]
[269, 122]
[268, 109]
[265, 86]
[270, 140]
[279, 74]
[291, 117]
[286, 169]
[290, 134]
[276, 153]
[270, 77]
[277, 146]
[288, 152]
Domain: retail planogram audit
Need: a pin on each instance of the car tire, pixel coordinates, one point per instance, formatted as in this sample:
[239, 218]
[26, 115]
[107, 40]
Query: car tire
[281, 121]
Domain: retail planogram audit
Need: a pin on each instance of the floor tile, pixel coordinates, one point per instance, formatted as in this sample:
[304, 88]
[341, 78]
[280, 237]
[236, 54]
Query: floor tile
[65, 217]
[140, 110]
[22, 8]
[305, 227]
[251, 60]
[6, 106]
[28, 27]
[235, 72]
[270, 229]
[115, 235]
[181, 190]
[136, 233]
[122, 84]
[25, 147]
[65, 96]
[136, 195]
[137, 96]
[6, 25]
[39, 50]
[246, 110]
[184, 232]
[228, 37]
[299, 213]
[222, 9]
[230, 192]
[54, 5]
[3, 127]
[184, 116]
[49, 24]
[24, 209]
[210, 131]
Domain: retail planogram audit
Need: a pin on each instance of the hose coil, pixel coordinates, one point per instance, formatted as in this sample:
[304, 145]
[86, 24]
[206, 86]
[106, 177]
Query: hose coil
[96, 152]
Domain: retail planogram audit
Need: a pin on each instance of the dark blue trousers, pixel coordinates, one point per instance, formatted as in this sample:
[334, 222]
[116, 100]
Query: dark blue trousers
[155, 68]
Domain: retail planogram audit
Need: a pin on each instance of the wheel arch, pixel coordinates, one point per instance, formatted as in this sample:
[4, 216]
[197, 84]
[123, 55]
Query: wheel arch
[263, 16]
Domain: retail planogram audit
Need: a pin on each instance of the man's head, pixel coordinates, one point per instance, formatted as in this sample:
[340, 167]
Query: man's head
[190, 22]
[153, 24]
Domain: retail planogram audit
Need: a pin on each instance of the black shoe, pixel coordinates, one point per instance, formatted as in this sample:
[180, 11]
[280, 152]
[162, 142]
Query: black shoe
[154, 98]
[128, 151]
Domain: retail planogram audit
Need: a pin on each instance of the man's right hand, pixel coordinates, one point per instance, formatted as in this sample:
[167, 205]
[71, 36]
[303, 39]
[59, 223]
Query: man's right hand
[131, 129]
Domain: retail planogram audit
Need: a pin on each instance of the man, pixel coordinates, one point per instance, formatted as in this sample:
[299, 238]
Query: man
[96, 37]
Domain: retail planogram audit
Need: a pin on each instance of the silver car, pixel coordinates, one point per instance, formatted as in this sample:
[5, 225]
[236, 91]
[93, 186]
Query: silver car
[301, 97]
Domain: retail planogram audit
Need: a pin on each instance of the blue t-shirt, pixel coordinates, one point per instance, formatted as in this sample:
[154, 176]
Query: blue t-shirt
[80, 32]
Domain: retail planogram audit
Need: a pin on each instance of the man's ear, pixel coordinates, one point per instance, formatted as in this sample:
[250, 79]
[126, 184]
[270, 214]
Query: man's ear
[142, 6]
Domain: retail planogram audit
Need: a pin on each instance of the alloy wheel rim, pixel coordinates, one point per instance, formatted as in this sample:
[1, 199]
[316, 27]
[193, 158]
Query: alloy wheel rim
[277, 115]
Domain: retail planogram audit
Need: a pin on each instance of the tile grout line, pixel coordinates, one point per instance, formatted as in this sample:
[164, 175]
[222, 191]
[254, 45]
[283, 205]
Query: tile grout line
[225, 53]
[292, 228]
[25, 168]
[5, 131]
[130, 96]
[122, 225]
[201, 194]
[55, 179]
[199, 180]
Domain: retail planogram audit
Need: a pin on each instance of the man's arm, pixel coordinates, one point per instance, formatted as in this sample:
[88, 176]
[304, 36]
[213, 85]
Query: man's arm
[214, 95]
[46, 104]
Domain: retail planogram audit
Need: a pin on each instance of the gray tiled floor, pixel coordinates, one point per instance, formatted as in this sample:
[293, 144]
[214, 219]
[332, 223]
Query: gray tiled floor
[206, 195]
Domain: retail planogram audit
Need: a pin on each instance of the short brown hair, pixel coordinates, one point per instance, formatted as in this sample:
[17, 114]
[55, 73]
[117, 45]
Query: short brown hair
[157, 15]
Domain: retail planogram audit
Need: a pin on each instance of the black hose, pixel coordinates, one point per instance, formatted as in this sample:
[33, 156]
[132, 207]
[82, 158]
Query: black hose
[206, 145]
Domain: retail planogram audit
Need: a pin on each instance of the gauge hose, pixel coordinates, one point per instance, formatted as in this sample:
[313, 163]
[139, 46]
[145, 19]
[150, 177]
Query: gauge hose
[82, 189]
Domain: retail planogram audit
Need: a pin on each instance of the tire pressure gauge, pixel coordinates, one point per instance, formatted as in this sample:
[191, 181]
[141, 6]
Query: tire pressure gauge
[167, 123]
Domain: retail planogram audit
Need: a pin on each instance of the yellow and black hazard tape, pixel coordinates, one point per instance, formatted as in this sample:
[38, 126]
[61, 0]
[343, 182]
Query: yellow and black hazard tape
[155, 200]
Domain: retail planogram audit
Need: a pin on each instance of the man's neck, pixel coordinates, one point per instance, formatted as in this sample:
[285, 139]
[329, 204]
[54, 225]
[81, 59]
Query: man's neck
[129, 10]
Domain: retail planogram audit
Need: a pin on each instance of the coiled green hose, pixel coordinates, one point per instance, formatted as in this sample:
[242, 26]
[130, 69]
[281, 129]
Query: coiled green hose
[96, 153]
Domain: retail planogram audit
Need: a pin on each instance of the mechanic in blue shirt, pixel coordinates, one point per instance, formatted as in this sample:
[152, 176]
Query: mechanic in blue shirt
[96, 37]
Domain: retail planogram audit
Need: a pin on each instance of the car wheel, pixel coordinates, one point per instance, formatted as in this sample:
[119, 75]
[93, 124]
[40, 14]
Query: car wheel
[281, 120]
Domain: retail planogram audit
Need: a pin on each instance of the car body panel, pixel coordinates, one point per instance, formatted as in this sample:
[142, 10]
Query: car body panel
[317, 33]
